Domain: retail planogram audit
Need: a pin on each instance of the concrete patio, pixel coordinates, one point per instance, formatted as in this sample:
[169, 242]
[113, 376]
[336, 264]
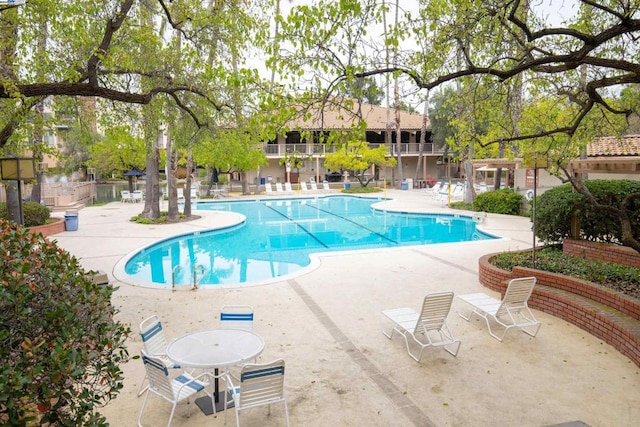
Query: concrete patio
[341, 370]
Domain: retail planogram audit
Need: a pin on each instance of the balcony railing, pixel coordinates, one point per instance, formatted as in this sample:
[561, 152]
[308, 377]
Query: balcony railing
[279, 150]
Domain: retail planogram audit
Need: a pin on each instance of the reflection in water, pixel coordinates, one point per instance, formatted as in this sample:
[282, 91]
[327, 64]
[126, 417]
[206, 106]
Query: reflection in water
[278, 237]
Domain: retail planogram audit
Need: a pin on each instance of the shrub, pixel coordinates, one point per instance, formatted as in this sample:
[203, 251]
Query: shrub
[503, 201]
[61, 347]
[34, 213]
[556, 207]
[618, 277]
[361, 190]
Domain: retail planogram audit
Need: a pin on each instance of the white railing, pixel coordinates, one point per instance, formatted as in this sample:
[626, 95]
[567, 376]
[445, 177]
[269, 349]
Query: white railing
[279, 150]
[57, 195]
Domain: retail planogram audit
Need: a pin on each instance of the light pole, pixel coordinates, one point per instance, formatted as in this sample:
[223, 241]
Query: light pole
[18, 169]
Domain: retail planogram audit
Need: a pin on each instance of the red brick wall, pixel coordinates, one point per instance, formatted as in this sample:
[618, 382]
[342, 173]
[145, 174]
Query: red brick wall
[601, 252]
[49, 229]
[564, 297]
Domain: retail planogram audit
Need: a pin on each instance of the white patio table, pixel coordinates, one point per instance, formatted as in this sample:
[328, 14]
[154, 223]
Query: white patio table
[213, 350]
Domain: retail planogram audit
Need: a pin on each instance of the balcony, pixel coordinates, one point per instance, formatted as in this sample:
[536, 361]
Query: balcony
[276, 151]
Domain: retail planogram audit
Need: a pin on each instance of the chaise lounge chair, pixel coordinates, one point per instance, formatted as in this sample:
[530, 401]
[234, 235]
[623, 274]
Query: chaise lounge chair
[512, 312]
[427, 328]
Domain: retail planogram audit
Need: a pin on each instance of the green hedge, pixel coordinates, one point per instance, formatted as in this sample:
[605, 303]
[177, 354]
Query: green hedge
[503, 201]
[34, 213]
[555, 209]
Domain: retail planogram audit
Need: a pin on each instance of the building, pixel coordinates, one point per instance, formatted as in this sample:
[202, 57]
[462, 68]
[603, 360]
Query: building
[380, 130]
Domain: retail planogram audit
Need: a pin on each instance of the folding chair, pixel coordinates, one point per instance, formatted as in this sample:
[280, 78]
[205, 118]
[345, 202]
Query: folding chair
[172, 390]
[155, 344]
[258, 385]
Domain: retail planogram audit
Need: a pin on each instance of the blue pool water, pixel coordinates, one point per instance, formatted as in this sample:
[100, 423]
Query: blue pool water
[279, 235]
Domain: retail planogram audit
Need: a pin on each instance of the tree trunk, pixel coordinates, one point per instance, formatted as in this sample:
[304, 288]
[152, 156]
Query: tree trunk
[187, 185]
[173, 214]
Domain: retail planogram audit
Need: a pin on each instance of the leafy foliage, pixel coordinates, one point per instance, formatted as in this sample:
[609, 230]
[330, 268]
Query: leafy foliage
[556, 207]
[356, 157]
[34, 213]
[61, 346]
[503, 201]
[614, 276]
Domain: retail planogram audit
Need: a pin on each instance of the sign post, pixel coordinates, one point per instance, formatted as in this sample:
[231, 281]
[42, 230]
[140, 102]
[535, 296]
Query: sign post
[535, 161]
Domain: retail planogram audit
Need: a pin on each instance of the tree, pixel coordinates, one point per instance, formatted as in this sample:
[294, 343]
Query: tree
[356, 157]
[118, 152]
[61, 345]
[578, 64]
[101, 56]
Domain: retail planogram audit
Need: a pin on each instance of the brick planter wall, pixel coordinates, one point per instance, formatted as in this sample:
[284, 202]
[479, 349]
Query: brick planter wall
[49, 229]
[601, 252]
[611, 316]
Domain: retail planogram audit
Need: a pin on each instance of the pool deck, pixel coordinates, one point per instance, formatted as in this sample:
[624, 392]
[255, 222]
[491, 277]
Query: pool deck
[341, 370]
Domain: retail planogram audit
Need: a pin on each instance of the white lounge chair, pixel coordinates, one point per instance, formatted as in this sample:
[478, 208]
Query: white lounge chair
[325, 186]
[155, 344]
[236, 317]
[279, 188]
[458, 192]
[174, 390]
[314, 186]
[303, 187]
[512, 312]
[268, 189]
[427, 328]
[288, 188]
[258, 385]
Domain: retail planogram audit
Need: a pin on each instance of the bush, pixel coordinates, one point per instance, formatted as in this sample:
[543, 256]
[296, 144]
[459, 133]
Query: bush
[362, 190]
[34, 213]
[618, 277]
[503, 201]
[61, 347]
[556, 207]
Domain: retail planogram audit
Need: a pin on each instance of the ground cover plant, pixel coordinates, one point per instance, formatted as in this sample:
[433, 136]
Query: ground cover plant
[60, 346]
[617, 277]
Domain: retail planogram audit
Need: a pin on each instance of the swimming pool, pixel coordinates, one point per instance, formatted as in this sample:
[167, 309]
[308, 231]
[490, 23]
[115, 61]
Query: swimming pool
[278, 237]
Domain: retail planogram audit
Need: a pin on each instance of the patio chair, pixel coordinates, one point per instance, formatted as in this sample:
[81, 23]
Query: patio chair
[155, 344]
[236, 317]
[512, 312]
[325, 186]
[314, 186]
[173, 390]
[258, 385]
[427, 328]
[125, 196]
[303, 187]
[268, 189]
[137, 196]
[279, 188]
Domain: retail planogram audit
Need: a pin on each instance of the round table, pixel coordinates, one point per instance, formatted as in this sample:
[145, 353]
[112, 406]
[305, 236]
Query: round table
[215, 349]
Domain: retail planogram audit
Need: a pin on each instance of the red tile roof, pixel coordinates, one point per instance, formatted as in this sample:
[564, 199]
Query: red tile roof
[335, 116]
[608, 146]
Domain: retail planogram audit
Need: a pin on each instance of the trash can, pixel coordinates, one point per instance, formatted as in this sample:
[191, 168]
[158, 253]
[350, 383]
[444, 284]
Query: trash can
[263, 181]
[405, 185]
[347, 185]
[71, 221]
[409, 183]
